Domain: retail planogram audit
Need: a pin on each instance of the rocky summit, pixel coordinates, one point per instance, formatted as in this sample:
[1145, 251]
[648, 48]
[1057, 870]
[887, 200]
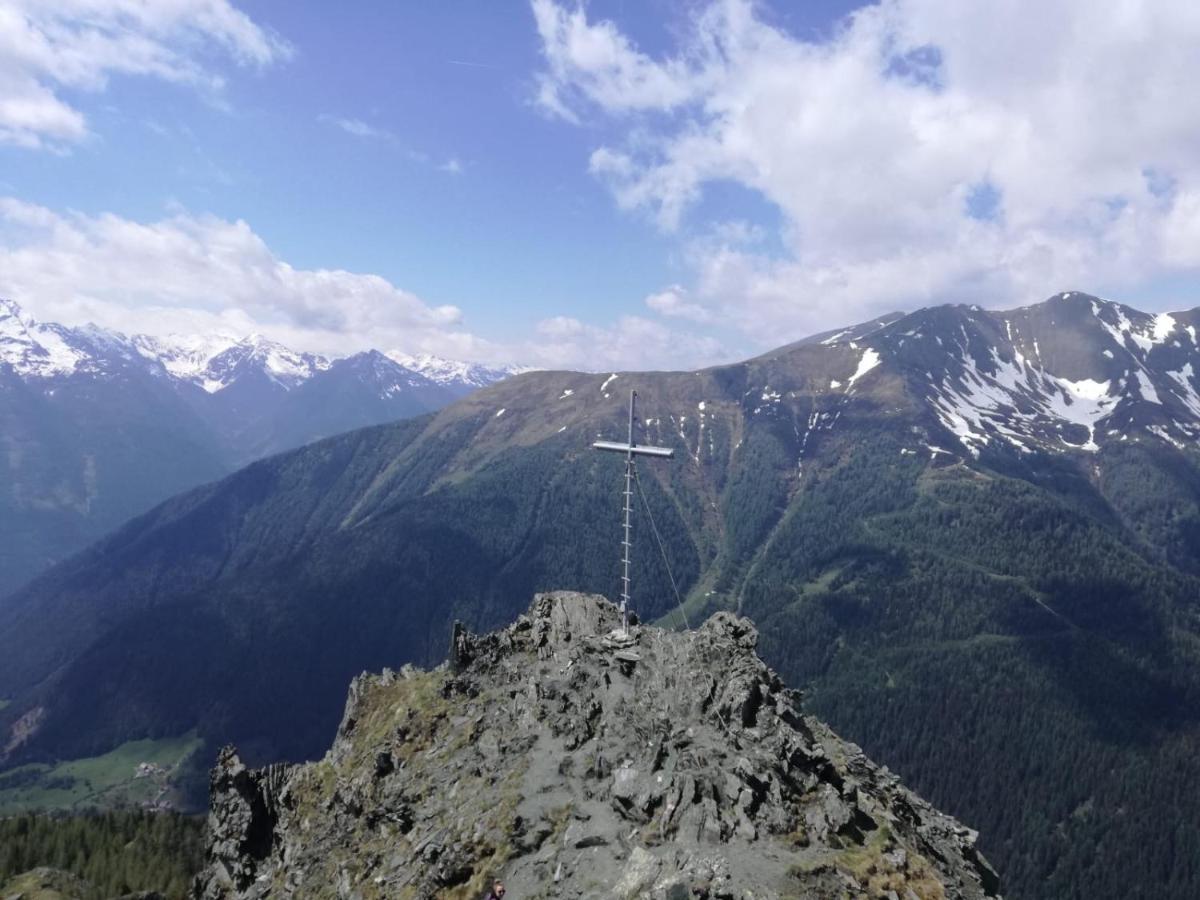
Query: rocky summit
[572, 758]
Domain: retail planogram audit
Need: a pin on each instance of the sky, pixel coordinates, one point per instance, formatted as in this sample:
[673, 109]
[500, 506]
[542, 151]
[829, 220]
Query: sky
[644, 184]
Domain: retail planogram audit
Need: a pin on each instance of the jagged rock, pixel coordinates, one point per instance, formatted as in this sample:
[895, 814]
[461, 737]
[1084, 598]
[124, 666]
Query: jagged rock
[574, 760]
[241, 822]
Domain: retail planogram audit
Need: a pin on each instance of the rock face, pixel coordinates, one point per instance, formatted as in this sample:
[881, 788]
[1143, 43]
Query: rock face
[574, 760]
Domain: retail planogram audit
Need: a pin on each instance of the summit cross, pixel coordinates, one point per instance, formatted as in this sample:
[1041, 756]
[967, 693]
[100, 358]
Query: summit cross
[630, 449]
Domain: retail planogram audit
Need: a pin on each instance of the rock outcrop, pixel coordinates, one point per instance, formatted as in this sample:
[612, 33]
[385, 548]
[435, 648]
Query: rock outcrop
[574, 760]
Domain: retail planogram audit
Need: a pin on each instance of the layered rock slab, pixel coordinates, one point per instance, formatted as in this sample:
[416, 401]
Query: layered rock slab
[573, 759]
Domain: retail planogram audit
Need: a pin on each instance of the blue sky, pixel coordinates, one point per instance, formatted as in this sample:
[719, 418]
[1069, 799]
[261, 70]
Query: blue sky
[622, 183]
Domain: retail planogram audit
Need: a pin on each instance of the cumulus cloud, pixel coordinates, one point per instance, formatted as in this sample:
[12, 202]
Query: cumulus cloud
[673, 301]
[631, 343]
[594, 60]
[929, 151]
[79, 44]
[189, 272]
[193, 274]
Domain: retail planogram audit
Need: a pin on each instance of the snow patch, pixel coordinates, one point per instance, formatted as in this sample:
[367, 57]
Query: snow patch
[1086, 388]
[1083, 402]
[1147, 388]
[1015, 401]
[834, 339]
[870, 359]
[1162, 432]
[1164, 324]
[1185, 378]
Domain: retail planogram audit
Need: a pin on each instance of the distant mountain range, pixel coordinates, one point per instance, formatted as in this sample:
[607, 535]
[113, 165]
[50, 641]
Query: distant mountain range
[972, 536]
[98, 426]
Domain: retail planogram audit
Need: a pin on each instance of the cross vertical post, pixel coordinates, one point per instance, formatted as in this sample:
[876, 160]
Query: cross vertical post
[626, 544]
[630, 449]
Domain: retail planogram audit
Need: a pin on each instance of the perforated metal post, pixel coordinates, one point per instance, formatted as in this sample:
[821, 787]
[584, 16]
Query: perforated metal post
[627, 543]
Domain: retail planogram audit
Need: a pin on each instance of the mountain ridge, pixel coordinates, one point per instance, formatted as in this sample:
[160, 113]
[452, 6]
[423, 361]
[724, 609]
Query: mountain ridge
[963, 609]
[207, 361]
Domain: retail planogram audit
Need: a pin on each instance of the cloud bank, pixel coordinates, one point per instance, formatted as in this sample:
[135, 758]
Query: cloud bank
[192, 274]
[929, 151]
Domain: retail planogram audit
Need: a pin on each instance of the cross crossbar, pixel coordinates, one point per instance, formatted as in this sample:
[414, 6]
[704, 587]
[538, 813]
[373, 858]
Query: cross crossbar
[616, 446]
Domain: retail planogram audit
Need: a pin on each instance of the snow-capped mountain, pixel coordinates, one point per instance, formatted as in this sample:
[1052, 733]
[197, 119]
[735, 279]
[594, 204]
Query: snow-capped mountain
[99, 426]
[364, 389]
[184, 356]
[40, 351]
[460, 377]
[213, 362]
[1071, 373]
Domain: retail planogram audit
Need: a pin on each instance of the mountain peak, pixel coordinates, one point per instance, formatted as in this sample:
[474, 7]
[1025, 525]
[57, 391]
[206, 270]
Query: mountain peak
[9, 307]
[1076, 296]
[13, 324]
[564, 750]
[454, 373]
[33, 349]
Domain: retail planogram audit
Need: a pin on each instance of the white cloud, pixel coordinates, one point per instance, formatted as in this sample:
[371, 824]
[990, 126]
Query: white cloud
[78, 44]
[596, 61]
[1076, 123]
[195, 274]
[633, 342]
[189, 272]
[1181, 245]
[356, 127]
[673, 301]
[451, 167]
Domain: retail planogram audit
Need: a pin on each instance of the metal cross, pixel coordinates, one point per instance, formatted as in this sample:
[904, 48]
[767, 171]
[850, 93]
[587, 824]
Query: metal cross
[630, 449]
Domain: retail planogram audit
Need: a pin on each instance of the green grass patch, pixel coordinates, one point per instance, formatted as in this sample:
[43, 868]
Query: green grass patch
[134, 774]
[46, 884]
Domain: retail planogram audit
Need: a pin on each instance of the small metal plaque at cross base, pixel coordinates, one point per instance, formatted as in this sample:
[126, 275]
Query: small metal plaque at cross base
[631, 449]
